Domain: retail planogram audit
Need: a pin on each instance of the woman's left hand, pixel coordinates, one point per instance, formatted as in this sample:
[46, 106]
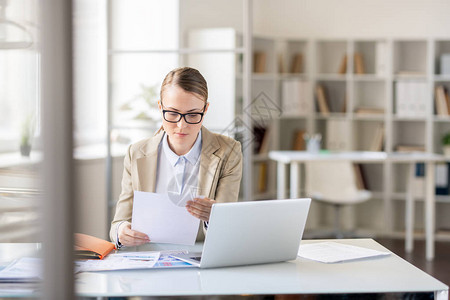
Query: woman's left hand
[200, 208]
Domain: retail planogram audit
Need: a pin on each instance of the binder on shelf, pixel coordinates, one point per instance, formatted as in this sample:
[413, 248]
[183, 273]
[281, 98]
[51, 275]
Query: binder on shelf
[337, 135]
[442, 178]
[294, 99]
[259, 62]
[91, 247]
[297, 63]
[445, 64]
[322, 101]
[411, 98]
[418, 185]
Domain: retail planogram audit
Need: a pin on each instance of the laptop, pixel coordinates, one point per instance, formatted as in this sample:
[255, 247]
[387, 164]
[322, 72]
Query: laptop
[254, 232]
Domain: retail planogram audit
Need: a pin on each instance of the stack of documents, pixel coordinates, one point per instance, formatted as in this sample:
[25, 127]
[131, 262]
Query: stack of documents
[23, 270]
[331, 252]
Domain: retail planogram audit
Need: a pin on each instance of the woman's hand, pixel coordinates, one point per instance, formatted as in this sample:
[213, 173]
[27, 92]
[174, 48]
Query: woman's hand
[130, 237]
[200, 208]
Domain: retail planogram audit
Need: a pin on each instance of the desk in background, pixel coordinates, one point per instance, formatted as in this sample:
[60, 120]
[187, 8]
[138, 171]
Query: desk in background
[380, 275]
[296, 158]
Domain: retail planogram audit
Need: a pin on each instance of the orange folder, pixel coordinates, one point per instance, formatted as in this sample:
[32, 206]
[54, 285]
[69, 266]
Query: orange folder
[91, 247]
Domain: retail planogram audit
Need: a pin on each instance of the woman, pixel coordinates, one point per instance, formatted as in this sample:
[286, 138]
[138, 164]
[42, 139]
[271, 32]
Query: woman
[182, 158]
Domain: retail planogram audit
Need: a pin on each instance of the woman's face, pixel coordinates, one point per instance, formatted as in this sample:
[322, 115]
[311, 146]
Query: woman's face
[181, 135]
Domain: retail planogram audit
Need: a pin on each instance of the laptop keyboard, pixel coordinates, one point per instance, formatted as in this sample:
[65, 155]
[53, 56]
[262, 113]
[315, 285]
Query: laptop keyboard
[196, 258]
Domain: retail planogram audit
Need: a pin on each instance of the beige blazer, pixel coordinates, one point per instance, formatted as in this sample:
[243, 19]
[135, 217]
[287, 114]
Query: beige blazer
[219, 175]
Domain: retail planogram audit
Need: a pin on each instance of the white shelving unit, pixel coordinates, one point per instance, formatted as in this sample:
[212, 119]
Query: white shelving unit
[388, 63]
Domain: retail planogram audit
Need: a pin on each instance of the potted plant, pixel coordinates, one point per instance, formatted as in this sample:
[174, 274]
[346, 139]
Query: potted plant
[446, 144]
[27, 134]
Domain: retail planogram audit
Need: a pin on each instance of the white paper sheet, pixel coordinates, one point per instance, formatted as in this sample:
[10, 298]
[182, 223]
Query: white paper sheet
[331, 252]
[162, 220]
[25, 269]
[119, 261]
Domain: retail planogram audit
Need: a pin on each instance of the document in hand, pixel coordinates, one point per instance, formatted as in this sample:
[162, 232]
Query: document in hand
[91, 247]
[162, 220]
[331, 252]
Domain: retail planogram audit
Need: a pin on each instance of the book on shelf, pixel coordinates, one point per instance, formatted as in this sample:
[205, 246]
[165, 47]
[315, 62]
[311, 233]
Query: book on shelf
[378, 138]
[322, 101]
[265, 142]
[418, 184]
[298, 143]
[261, 135]
[369, 110]
[294, 101]
[359, 177]
[359, 63]
[343, 66]
[281, 65]
[262, 177]
[297, 63]
[442, 101]
[442, 176]
[410, 148]
[259, 62]
[411, 98]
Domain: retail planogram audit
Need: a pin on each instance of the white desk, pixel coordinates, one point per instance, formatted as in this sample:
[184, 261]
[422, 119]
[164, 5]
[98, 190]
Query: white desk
[296, 158]
[388, 274]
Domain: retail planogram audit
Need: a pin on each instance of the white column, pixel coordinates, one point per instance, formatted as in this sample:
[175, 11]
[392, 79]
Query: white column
[430, 210]
[295, 180]
[57, 166]
[247, 99]
[409, 210]
[281, 180]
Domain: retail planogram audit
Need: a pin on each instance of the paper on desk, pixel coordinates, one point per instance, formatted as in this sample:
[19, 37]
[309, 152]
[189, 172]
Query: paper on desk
[25, 269]
[119, 261]
[331, 252]
[162, 220]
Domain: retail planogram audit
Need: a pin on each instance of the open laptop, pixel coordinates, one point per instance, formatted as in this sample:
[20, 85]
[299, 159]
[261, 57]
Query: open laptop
[254, 232]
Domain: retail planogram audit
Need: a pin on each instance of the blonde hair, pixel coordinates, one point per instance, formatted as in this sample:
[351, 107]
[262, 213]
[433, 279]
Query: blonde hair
[189, 79]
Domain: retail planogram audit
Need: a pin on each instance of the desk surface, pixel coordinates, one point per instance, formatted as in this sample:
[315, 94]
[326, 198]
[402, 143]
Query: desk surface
[389, 274]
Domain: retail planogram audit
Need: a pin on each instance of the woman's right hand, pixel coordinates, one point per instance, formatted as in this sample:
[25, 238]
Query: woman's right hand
[130, 237]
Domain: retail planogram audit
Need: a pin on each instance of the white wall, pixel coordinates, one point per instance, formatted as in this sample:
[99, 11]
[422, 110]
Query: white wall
[325, 18]
[352, 18]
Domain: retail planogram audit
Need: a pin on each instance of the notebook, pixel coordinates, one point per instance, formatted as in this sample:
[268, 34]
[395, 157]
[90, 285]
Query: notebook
[254, 232]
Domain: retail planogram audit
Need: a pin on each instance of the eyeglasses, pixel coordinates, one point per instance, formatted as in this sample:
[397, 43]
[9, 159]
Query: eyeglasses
[190, 118]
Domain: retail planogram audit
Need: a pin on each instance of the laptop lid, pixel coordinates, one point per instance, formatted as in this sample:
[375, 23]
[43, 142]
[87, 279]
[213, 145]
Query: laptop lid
[254, 232]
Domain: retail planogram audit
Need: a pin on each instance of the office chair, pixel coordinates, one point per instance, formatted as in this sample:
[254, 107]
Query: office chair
[334, 183]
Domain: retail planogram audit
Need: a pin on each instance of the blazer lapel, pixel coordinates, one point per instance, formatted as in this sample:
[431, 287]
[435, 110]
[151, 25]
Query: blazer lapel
[146, 165]
[209, 162]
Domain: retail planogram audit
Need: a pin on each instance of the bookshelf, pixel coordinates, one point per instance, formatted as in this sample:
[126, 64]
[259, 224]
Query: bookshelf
[363, 104]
